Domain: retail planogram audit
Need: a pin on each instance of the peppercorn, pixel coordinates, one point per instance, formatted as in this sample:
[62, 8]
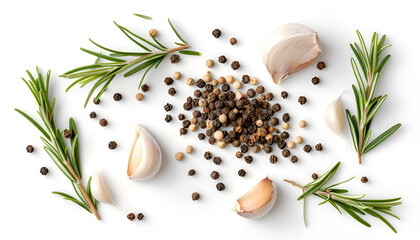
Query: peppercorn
[179, 156]
[244, 148]
[237, 85]
[191, 172]
[235, 65]
[68, 133]
[220, 186]
[284, 135]
[364, 179]
[233, 41]
[302, 124]
[168, 107]
[245, 79]
[285, 153]
[307, 148]
[268, 149]
[302, 100]
[321, 65]
[195, 196]
[318, 147]
[208, 155]
[314, 176]
[103, 122]
[269, 96]
[201, 136]
[281, 144]
[238, 154]
[117, 97]
[186, 123]
[96, 102]
[200, 83]
[315, 80]
[216, 33]
[175, 58]
[273, 159]
[153, 32]
[260, 89]
[190, 81]
[140, 216]
[286, 117]
[181, 116]
[189, 149]
[251, 93]
[284, 94]
[214, 175]
[217, 160]
[248, 159]
[44, 171]
[168, 118]
[139, 97]
[255, 149]
[183, 131]
[294, 159]
[236, 143]
[298, 139]
[177, 75]
[30, 149]
[222, 59]
[241, 173]
[276, 107]
[131, 216]
[112, 145]
[274, 121]
[92, 115]
[145, 87]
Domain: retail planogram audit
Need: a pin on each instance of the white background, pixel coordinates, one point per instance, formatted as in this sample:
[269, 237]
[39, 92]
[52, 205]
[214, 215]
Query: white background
[49, 34]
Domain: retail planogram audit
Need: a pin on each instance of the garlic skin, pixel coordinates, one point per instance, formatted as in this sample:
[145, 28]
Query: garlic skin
[145, 156]
[100, 190]
[288, 49]
[334, 117]
[258, 201]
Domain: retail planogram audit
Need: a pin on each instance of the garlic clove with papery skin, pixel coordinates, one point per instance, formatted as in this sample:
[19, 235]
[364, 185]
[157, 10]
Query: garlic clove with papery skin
[100, 190]
[145, 156]
[334, 117]
[258, 201]
[288, 49]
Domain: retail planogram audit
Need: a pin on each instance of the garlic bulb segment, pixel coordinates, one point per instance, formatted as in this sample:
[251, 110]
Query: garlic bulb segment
[145, 156]
[334, 117]
[288, 49]
[100, 190]
[258, 201]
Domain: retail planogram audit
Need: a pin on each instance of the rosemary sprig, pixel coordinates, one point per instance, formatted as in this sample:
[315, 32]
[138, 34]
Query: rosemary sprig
[67, 160]
[354, 205]
[367, 105]
[151, 55]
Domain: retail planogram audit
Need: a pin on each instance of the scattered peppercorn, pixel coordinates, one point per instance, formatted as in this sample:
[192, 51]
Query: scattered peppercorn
[222, 59]
[220, 186]
[195, 196]
[318, 147]
[139, 96]
[44, 171]
[183, 131]
[153, 32]
[217, 160]
[172, 91]
[145, 87]
[30, 149]
[233, 41]
[294, 159]
[315, 80]
[190, 81]
[131, 216]
[216, 33]
[276, 107]
[177, 75]
[112, 145]
[208, 155]
[321, 65]
[96, 102]
[140, 216]
[260, 89]
[248, 159]
[285, 153]
[179, 156]
[175, 58]
[191, 172]
[302, 100]
[181, 116]
[307, 148]
[238, 154]
[286, 117]
[168, 81]
[68, 133]
[314, 176]
[273, 159]
[168, 107]
[214, 175]
[92, 115]
[302, 124]
[201, 136]
[189, 149]
[235, 65]
[103, 122]
[168, 118]
[364, 179]
[245, 79]
[284, 94]
[241, 173]
[117, 97]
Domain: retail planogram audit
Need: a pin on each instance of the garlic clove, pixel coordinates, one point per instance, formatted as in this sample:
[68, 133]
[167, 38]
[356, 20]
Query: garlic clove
[258, 201]
[334, 117]
[145, 156]
[100, 190]
[288, 49]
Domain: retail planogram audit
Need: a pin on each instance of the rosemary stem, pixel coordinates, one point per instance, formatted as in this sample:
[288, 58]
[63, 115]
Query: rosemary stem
[327, 194]
[175, 49]
[186, 46]
[362, 123]
[80, 185]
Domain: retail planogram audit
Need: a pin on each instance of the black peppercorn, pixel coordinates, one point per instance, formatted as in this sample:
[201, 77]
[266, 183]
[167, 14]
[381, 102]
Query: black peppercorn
[251, 93]
[145, 87]
[216, 33]
[208, 155]
[314, 176]
[140, 216]
[281, 144]
[195, 196]
[30, 149]
[168, 81]
[286, 117]
[241, 173]
[217, 160]
[302, 100]
[44, 171]
[364, 179]
[168, 107]
[260, 89]
[103, 122]
[187, 106]
[96, 102]
[284, 94]
[276, 107]
[233, 41]
[183, 131]
[214, 175]
[268, 149]
[175, 58]
[68, 133]
[307, 148]
[274, 121]
[245, 79]
[315, 80]
[248, 159]
[244, 148]
[294, 159]
[235, 65]
[191, 172]
[112, 145]
[318, 147]
[92, 115]
[131, 216]
[168, 118]
[201, 136]
[172, 91]
[186, 123]
[269, 96]
[200, 83]
[212, 140]
[285, 153]
[284, 135]
[222, 59]
[225, 87]
[117, 97]
[321, 65]
[220, 186]
[273, 159]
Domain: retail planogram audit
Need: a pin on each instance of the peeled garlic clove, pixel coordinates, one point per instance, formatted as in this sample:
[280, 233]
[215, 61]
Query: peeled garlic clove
[145, 156]
[100, 190]
[288, 49]
[258, 201]
[334, 117]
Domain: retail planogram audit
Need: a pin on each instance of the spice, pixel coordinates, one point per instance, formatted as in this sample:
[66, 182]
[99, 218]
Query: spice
[318, 147]
[209, 63]
[140, 216]
[294, 159]
[175, 58]
[96, 102]
[307, 148]
[190, 81]
[208, 155]
[220, 186]
[183, 131]
[212, 140]
[284, 94]
[276, 107]
[131, 216]
[248, 159]
[281, 144]
[285, 153]
[216, 33]
[179, 156]
[191, 172]
[112, 145]
[321, 65]
[145, 87]
[222, 59]
[189, 149]
[192, 127]
[254, 81]
[302, 100]
[214, 175]
[195, 196]
[273, 159]
[177, 75]
[168, 118]
[230, 79]
[139, 97]
[168, 81]
[364, 179]
[181, 116]
[30, 149]
[260, 89]
[235, 65]
[168, 107]
[217, 160]
[241, 173]
[201, 136]
[233, 41]
[244, 148]
[298, 139]
[172, 91]
[221, 80]
[286, 117]
[285, 125]
[103, 122]
[302, 124]
[315, 80]
[237, 84]
[246, 79]
[117, 97]
[153, 32]
[255, 149]
[92, 115]
[44, 171]
[314, 176]
[238, 154]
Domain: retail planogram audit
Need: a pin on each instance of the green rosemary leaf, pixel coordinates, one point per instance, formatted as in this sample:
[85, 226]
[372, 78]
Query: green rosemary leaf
[91, 66]
[382, 63]
[339, 183]
[373, 52]
[333, 203]
[388, 213]
[187, 52]
[78, 81]
[57, 161]
[382, 41]
[378, 104]
[359, 102]
[89, 192]
[383, 48]
[91, 79]
[359, 57]
[150, 60]
[79, 203]
[353, 214]
[110, 50]
[363, 61]
[357, 75]
[95, 86]
[375, 214]
[365, 51]
[104, 87]
[129, 54]
[89, 73]
[31, 120]
[145, 73]
[366, 139]
[348, 196]
[176, 32]
[47, 82]
[180, 44]
[132, 39]
[157, 42]
[157, 64]
[142, 16]
[102, 55]
[79, 193]
[143, 39]
[338, 190]
[381, 137]
[380, 200]
[353, 130]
